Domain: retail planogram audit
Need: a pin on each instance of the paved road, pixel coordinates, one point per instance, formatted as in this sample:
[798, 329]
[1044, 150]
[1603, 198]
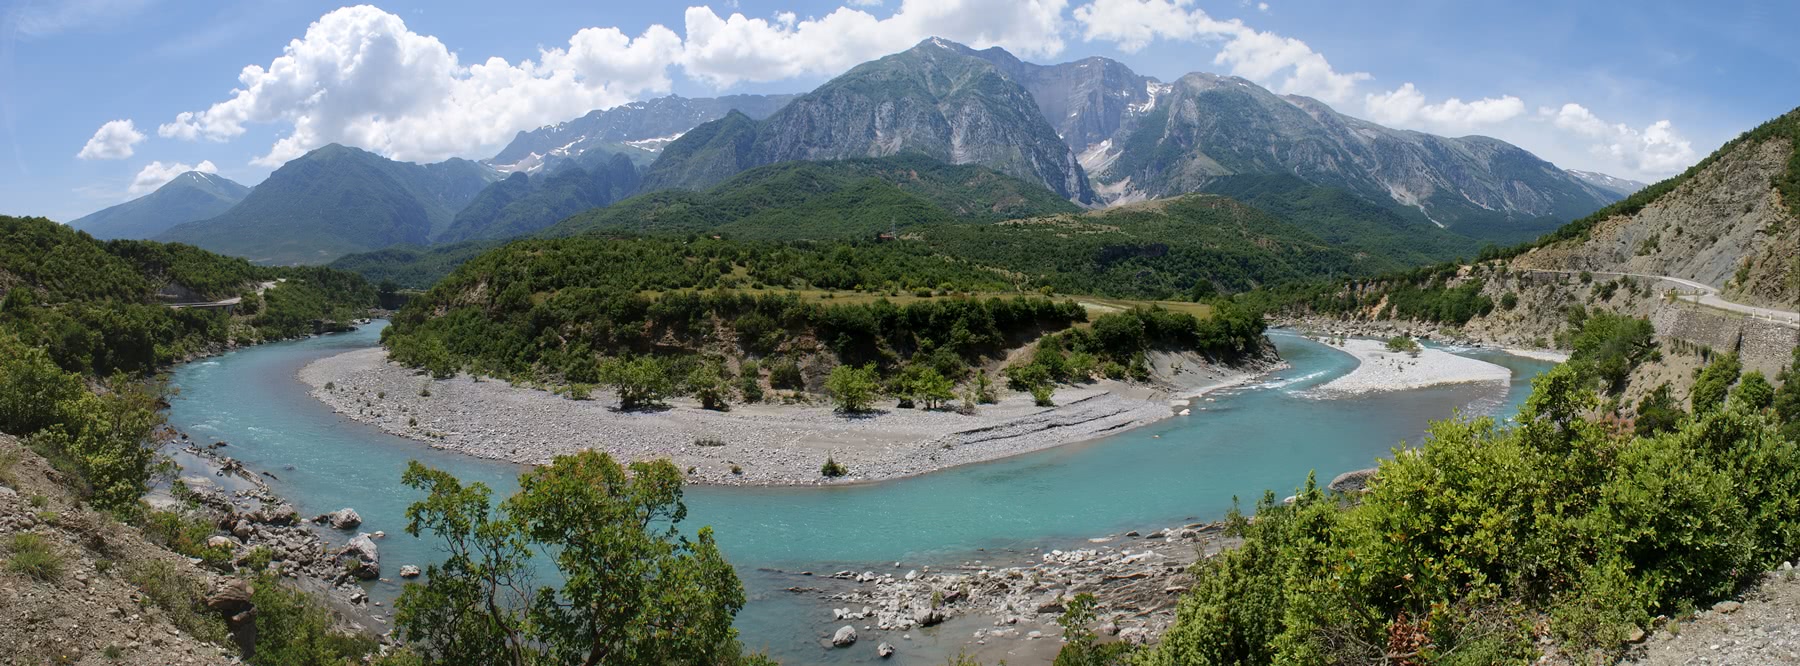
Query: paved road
[260, 288]
[1704, 295]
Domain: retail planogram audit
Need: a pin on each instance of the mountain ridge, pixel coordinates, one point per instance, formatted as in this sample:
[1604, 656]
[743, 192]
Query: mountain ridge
[190, 196]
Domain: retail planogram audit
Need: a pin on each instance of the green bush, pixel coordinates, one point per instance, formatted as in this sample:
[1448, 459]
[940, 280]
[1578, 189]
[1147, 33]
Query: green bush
[1043, 395]
[853, 389]
[833, 469]
[1714, 383]
[639, 381]
[293, 629]
[1458, 545]
[181, 595]
[1402, 344]
[32, 555]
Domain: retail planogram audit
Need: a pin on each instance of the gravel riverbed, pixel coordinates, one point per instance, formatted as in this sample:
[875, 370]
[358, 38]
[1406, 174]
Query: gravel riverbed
[759, 444]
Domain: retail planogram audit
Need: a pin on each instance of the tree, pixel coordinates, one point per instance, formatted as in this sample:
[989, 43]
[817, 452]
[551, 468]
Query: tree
[1658, 413]
[852, 388]
[1715, 383]
[1787, 399]
[635, 590]
[1753, 392]
[707, 382]
[640, 381]
[1080, 646]
[923, 384]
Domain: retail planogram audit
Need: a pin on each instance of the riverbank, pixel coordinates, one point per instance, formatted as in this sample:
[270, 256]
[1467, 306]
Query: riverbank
[757, 444]
[1009, 607]
[1379, 369]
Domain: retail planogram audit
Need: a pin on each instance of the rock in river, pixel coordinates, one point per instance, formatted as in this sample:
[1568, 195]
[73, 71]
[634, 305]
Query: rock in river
[845, 636]
[361, 558]
[409, 571]
[343, 519]
[884, 650]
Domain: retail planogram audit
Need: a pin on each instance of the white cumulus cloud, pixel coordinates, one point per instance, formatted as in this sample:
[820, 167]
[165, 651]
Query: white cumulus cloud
[359, 76]
[1284, 64]
[1656, 149]
[1406, 107]
[729, 49]
[156, 174]
[113, 141]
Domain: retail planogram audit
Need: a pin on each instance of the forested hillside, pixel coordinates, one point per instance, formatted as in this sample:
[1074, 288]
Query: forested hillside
[95, 306]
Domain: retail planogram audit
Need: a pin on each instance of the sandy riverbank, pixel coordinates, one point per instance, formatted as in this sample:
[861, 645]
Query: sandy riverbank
[766, 444]
[1381, 370]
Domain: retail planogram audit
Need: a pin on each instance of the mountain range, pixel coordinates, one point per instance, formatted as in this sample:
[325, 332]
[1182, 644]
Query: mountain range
[1091, 132]
[638, 130]
[188, 197]
[336, 200]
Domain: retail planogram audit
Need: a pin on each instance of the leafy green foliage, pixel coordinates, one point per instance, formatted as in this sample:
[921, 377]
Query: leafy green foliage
[640, 381]
[32, 555]
[1658, 412]
[1787, 399]
[1123, 339]
[1609, 346]
[94, 306]
[293, 629]
[832, 468]
[1714, 383]
[853, 389]
[1459, 544]
[179, 594]
[634, 590]
[98, 439]
[1080, 646]
[1402, 344]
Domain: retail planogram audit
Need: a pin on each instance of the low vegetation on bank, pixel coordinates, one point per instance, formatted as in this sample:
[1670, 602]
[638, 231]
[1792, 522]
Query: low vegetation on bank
[1487, 541]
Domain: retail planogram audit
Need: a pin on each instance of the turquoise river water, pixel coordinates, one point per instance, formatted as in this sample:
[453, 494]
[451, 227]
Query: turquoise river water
[1263, 436]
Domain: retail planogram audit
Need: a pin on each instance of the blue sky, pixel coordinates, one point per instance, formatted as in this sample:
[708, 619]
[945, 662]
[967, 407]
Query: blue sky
[1635, 89]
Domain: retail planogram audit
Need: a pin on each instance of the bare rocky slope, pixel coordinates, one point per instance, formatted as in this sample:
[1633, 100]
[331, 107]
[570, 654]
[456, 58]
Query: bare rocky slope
[1727, 226]
[85, 608]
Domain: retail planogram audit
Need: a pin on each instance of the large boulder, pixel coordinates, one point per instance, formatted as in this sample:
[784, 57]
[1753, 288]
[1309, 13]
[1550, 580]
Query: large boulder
[230, 597]
[1352, 482]
[927, 617]
[360, 557]
[845, 636]
[343, 519]
[280, 514]
[409, 571]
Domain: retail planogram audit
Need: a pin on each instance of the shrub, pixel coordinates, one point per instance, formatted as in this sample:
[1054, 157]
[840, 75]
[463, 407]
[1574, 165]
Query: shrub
[707, 382]
[785, 374]
[180, 595]
[32, 555]
[640, 381]
[833, 469]
[1043, 395]
[853, 389]
[1753, 392]
[1509, 300]
[292, 629]
[1402, 344]
[1461, 544]
[580, 391]
[1714, 383]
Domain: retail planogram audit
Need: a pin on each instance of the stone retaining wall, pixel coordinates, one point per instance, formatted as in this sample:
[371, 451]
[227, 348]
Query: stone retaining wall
[1761, 345]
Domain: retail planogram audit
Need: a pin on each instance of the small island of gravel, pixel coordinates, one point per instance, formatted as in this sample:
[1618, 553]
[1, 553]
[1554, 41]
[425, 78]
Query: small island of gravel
[752, 444]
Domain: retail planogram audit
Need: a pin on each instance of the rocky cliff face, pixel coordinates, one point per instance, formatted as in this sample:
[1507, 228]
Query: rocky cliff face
[1204, 126]
[1724, 224]
[639, 130]
[935, 99]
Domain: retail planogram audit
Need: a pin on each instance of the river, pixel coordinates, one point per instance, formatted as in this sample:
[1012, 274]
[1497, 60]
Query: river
[1185, 469]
